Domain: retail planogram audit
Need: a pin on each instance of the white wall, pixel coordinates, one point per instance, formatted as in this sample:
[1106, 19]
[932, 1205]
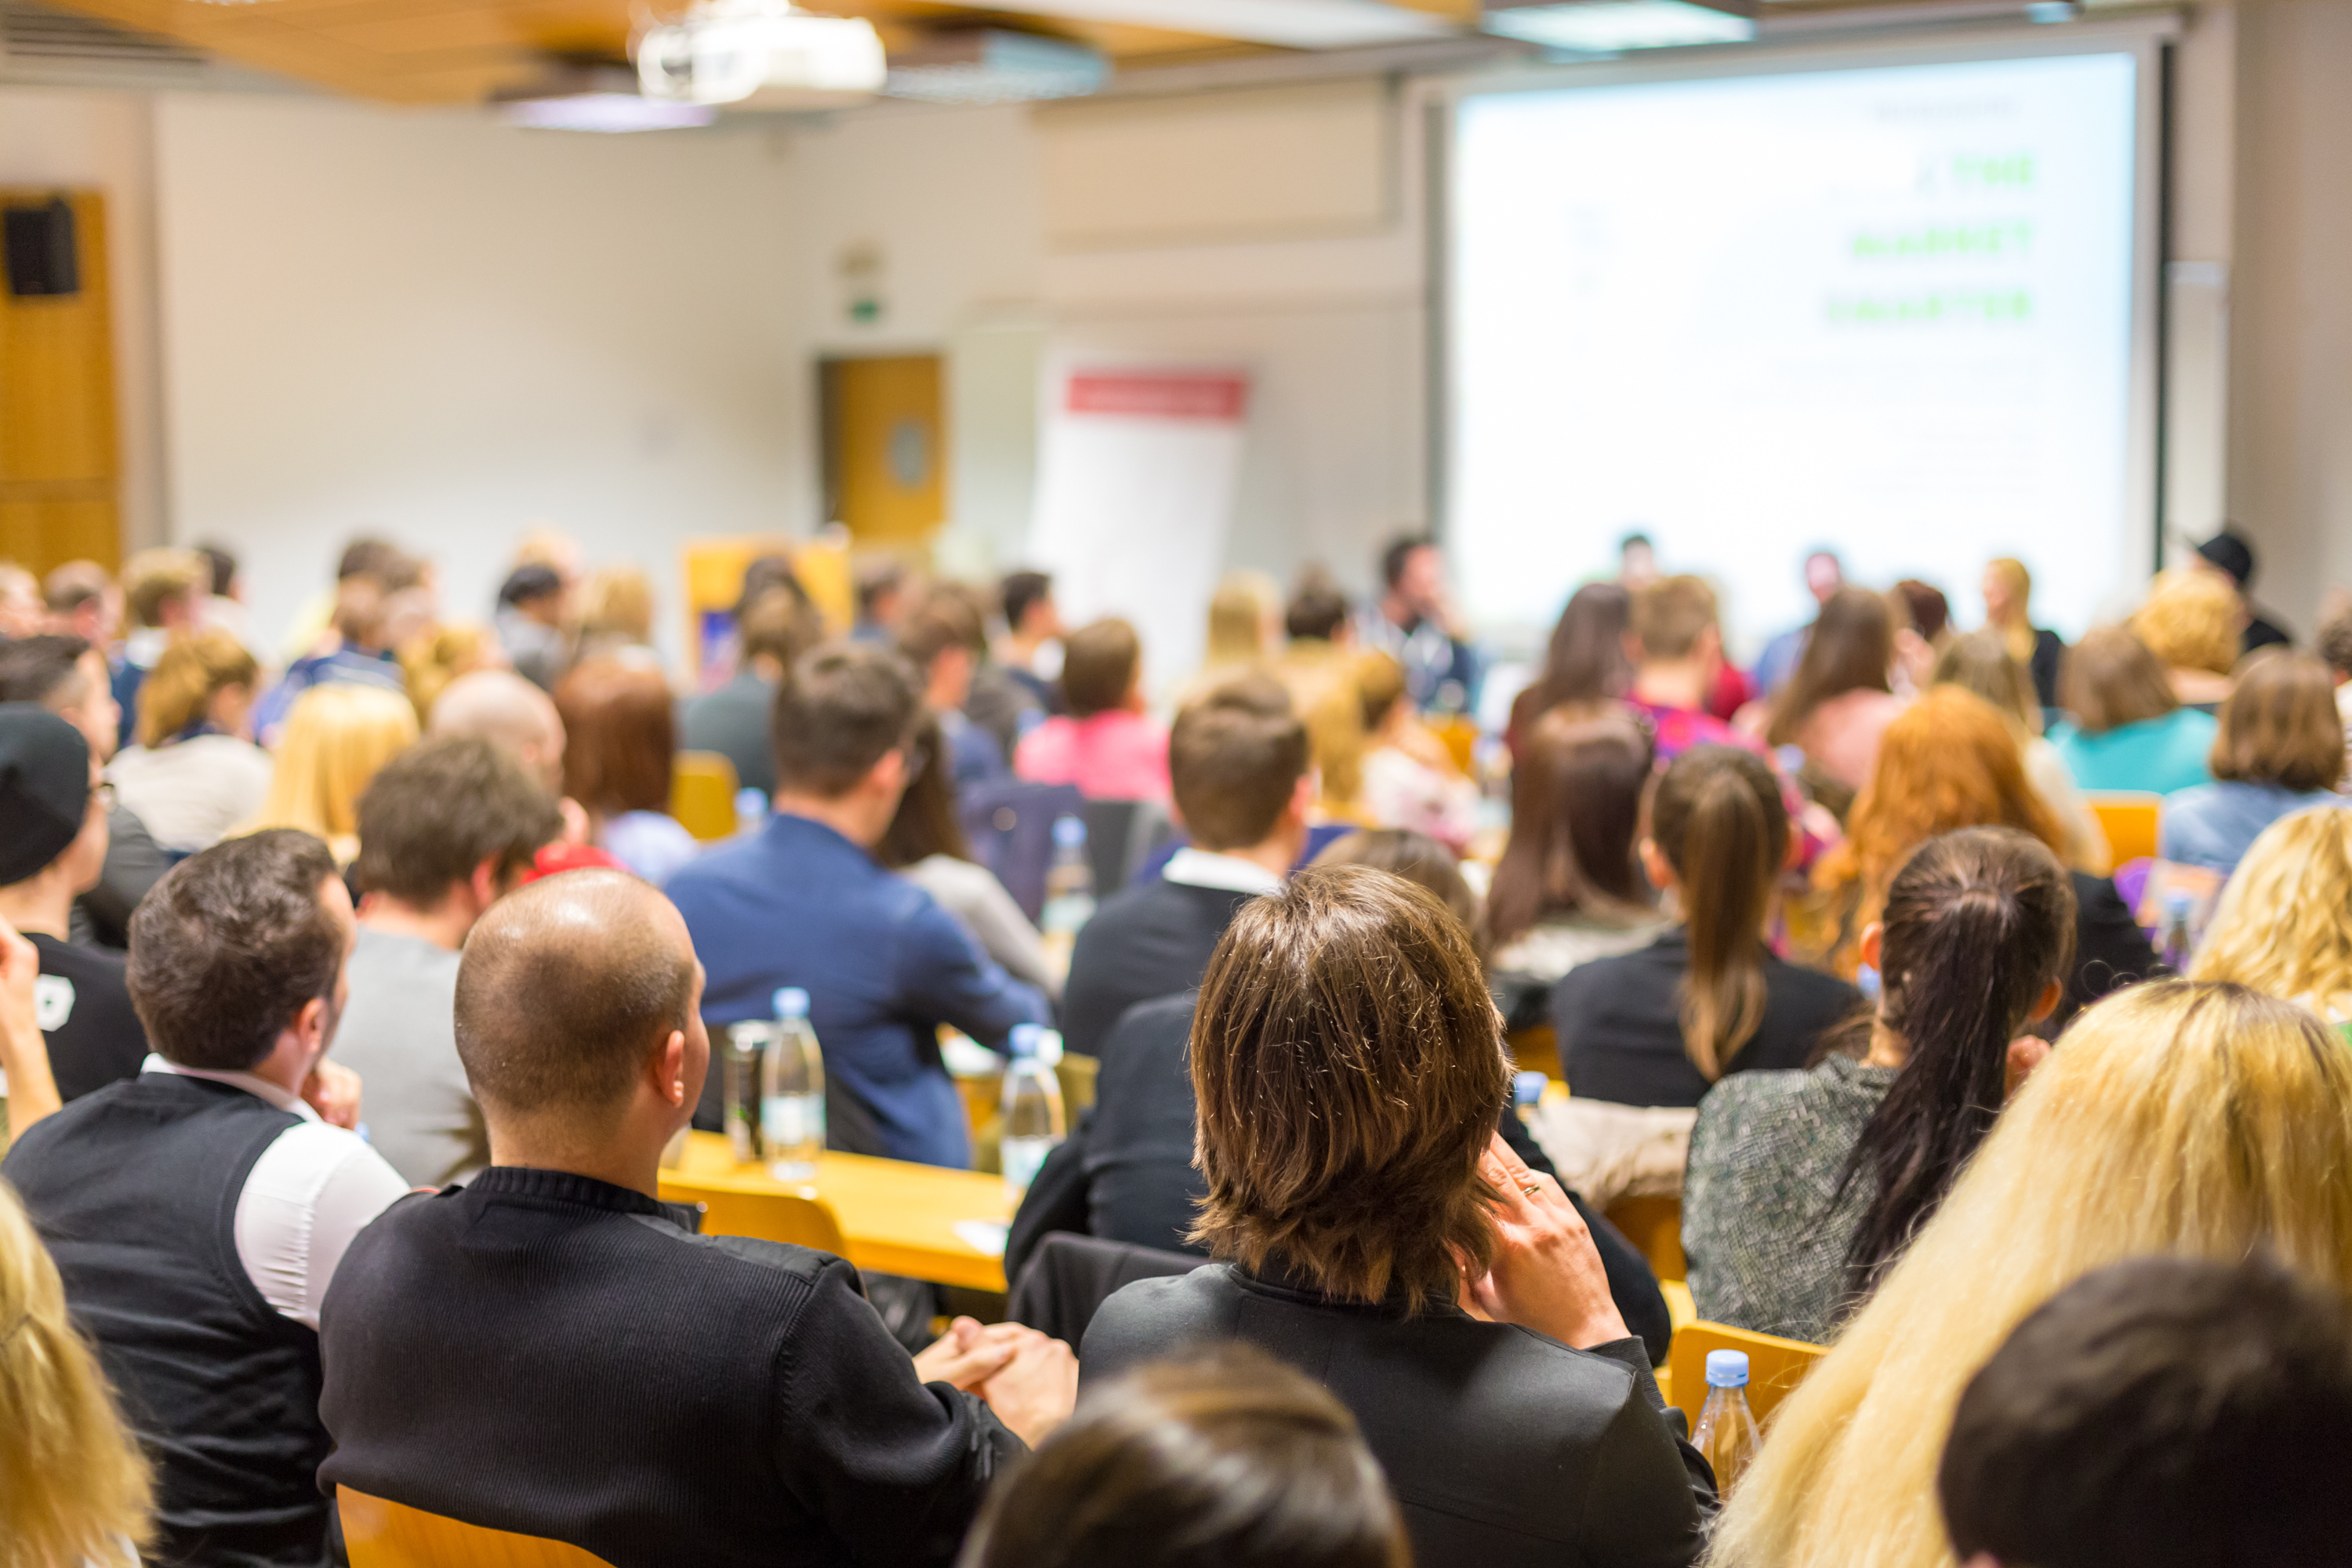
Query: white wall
[435, 327]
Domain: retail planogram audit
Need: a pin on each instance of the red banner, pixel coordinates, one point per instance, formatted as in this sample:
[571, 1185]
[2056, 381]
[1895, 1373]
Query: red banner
[1159, 395]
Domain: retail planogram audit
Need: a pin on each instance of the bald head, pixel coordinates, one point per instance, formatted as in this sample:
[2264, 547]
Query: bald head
[568, 988]
[502, 708]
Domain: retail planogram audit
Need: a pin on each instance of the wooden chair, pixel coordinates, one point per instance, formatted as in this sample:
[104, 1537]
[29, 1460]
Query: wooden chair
[2130, 819]
[1535, 1049]
[382, 1534]
[1775, 1367]
[702, 795]
[794, 1218]
[1654, 1226]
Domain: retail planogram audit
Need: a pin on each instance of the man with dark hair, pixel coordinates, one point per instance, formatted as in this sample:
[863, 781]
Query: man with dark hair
[1238, 764]
[2228, 556]
[2163, 1413]
[69, 677]
[52, 846]
[551, 1350]
[803, 903]
[1033, 625]
[197, 1211]
[1413, 622]
[880, 587]
[446, 829]
[83, 602]
[530, 621]
[944, 640]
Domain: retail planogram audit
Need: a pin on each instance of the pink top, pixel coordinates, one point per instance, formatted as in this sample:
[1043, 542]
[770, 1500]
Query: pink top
[1116, 755]
[1843, 734]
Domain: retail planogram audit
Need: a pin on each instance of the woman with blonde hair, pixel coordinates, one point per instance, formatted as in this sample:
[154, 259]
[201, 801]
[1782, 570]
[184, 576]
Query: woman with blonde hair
[432, 661]
[616, 616]
[73, 1488]
[1244, 628]
[336, 739]
[1980, 662]
[2180, 1119]
[2195, 623]
[195, 771]
[2283, 926]
[2009, 611]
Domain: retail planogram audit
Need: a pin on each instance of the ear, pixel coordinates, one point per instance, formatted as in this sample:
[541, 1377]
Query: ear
[1654, 865]
[2047, 1003]
[669, 1070]
[485, 884]
[1873, 943]
[888, 776]
[310, 1025]
[1304, 794]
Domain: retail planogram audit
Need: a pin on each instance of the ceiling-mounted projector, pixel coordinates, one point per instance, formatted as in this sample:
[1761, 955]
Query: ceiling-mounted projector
[762, 53]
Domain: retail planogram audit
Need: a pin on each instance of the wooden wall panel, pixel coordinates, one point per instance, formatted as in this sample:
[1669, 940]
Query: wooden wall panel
[60, 466]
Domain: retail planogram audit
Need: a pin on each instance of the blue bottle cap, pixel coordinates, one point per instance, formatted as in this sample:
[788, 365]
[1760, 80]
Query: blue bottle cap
[1027, 1037]
[1726, 1369]
[1526, 1087]
[1069, 831]
[751, 802]
[2177, 903]
[792, 1001]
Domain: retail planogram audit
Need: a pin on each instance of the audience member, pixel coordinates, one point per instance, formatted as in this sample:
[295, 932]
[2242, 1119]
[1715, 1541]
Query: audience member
[1033, 636]
[1238, 759]
[162, 592]
[357, 652]
[223, 608]
[534, 604]
[1585, 665]
[943, 637]
[32, 1088]
[2281, 749]
[2283, 925]
[2009, 611]
[2126, 730]
[2336, 649]
[1318, 667]
[2163, 1412]
[883, 594]
[1676, 646]
[198, 1211]
[1347, 1075]
[74, 1487]
[803, 903]
[1658, 1025]
[1825, 575]
[68, 676]
[775, 628]
[195, 773]
[1245, 630]
[925, 844]
[1230, 1458]
[620, 726]
[2227, 556]
[22, 613]
[616, 616]
[1952, 760]
[1410, 779]
[1103, 741]
[1803, 1187]
[1569, 888]
[1980, 662]
[1003, 707]
[446, 829]
[312, 630]
[336, 738]
[1838, 701]
[453, 1386]
[2194, 623]
[1413, 622]
[52, 848]
[1929, 613]
[83, 602]
[502, 708]
[436, 659]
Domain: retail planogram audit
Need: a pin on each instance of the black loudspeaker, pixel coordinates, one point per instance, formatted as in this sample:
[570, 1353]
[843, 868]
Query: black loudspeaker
[42, 257]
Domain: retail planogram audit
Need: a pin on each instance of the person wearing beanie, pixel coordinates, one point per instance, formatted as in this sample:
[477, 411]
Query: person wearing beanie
[2228, 554]
[53, 838]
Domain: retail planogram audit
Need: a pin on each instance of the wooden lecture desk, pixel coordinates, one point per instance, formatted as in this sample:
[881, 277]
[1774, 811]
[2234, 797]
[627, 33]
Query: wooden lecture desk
[896, 1218]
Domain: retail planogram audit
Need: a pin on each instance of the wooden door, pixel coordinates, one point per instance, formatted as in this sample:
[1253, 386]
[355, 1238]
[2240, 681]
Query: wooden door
[58, 475]
[885, 449]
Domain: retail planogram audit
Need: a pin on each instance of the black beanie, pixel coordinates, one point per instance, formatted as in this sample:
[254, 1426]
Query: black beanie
[43, 788]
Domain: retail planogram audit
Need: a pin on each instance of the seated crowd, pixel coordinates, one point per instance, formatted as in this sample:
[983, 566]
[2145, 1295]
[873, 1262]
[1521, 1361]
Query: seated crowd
[356, 993]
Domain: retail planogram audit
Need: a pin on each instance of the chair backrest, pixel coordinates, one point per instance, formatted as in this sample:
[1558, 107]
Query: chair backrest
[384, 1534]
[1069, 1277]
[702, 795]
[1775, 1365]
[796, 1219]
[2130, 819]
[1010, 826]
[1654, 1226]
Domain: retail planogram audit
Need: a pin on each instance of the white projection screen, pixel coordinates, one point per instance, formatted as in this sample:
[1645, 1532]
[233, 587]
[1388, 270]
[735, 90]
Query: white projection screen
[1899, 307]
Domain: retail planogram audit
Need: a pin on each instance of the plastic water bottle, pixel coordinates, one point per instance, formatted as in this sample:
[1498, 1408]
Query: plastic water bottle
[1726, 1433]
[739, 1059]
[792, 1092]
[1069, 882]
[1032, 1106]
[1527, 1093]
[2177, 946]
[751, 811]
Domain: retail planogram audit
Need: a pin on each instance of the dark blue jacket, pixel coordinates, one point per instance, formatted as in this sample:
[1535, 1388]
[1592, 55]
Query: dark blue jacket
[884, 967]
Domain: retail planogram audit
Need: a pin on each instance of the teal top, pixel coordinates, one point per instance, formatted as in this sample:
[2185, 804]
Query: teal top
[2159, 755]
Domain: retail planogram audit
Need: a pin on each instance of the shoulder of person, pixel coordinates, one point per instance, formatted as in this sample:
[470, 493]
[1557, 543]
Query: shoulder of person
[1146, 1320]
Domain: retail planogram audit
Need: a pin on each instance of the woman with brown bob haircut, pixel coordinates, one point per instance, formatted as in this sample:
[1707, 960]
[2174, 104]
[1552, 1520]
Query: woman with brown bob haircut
[2126, 730]
[620, 724]
[1348, 1071]
[2280, 749]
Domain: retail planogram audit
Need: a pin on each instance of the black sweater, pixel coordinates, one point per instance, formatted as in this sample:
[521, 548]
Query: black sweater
[1145, 942]
[544, 1352]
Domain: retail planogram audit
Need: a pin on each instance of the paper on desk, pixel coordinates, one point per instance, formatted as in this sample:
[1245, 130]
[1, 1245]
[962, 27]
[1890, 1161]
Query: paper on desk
[982, 1234]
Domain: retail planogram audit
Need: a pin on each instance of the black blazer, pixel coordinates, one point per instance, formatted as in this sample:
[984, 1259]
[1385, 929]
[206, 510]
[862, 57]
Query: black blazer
[1505, 1448]
[1147, 942]
[1621, 1033]
[2110, 950]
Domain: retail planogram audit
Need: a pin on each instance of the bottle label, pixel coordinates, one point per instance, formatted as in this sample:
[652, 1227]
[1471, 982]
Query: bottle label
[793, 1120]
[1021, 1158]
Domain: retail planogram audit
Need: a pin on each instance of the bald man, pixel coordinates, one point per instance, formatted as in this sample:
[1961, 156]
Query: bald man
[552, 1349]
[502, 708]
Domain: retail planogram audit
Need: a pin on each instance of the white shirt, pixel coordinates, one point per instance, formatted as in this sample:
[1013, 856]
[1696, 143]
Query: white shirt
[1206, 868]
[308, 1195]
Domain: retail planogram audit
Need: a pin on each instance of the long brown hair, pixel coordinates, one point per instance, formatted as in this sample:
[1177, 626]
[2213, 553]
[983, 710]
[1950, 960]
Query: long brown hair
[1717, 817]
[1576, 812]
[1586, 663]
[1852, 649]
[926, 822]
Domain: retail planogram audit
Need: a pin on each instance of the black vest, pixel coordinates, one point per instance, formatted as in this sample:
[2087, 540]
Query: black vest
[135, 1190]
